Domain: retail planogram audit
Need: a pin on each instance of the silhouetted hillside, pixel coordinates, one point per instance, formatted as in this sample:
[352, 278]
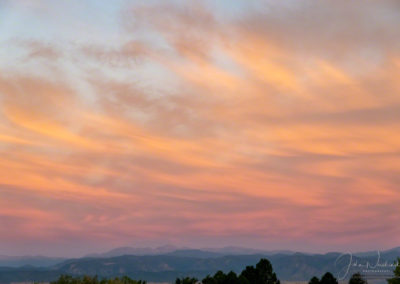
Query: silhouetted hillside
[193, 263]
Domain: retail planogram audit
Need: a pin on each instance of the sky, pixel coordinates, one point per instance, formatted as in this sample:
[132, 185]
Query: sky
[264, 124]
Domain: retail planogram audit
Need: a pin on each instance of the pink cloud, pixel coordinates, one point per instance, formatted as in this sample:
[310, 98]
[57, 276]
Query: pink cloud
[273, 130]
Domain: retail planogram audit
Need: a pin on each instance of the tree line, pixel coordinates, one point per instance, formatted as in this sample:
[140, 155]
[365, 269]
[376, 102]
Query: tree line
[263, 274]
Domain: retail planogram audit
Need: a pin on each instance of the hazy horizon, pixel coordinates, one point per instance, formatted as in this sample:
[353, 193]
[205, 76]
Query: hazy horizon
[264, 124]
[210, 249]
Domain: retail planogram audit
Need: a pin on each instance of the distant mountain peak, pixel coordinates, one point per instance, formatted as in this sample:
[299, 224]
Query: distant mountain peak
[127, 250]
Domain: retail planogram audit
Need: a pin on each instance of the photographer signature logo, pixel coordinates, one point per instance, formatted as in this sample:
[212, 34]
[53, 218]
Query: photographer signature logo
[350, 264]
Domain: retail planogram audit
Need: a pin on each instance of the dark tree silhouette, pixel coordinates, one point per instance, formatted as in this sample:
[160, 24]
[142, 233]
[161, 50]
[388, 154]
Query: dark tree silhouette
[328, 278]
[243, 280]
[209, 280]
[250, 273]
[265, 272]
[314, 280]
[357, 279]
[261, 274]
[396, 278]
[220, 277]
[186, 280]
[231, 277]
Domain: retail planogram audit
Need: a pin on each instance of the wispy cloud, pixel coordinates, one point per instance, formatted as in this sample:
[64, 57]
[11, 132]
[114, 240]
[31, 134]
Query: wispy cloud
[275, 125]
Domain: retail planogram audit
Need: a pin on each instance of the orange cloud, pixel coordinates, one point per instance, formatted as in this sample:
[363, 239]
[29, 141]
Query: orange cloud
[274, 125]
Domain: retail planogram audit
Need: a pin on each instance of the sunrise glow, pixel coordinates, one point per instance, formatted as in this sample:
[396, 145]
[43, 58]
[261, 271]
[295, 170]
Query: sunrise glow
[199, 123]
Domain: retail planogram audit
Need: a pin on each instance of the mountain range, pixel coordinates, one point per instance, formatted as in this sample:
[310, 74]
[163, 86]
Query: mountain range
[166, 263]
[185, 251]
